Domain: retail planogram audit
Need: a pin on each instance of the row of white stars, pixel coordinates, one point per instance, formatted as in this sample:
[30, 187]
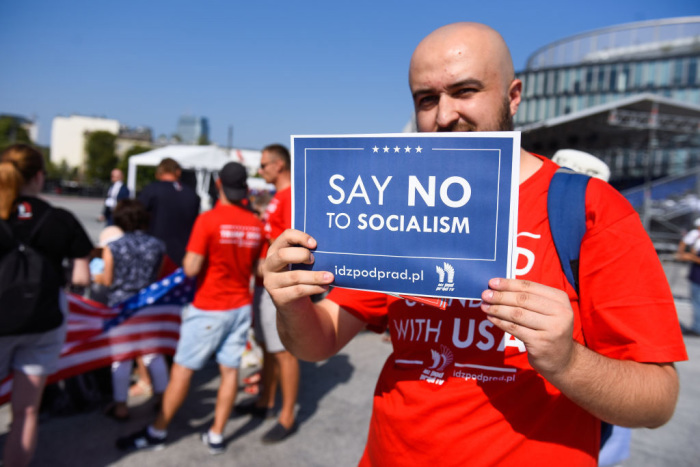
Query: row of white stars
[397, 149]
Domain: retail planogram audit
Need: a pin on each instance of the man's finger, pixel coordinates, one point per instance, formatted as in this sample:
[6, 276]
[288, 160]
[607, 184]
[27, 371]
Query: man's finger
[298, 277]
[519, 286]
[292, 237]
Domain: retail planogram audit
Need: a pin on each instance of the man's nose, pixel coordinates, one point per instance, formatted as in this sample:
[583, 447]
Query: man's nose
[447, 113]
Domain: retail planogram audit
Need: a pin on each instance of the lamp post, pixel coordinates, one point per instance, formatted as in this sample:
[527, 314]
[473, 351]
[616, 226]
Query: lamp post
[651, 147]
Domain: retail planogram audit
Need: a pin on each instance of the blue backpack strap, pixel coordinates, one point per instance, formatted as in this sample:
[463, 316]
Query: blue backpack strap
[566, 209]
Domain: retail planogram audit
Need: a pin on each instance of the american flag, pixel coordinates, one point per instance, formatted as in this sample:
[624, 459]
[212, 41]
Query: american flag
[98, 335]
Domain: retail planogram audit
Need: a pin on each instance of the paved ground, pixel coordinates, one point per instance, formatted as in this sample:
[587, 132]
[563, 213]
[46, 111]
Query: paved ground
[334, 408]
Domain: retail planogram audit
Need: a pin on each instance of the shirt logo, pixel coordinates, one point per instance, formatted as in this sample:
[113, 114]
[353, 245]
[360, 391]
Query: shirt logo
[446, 277]
[435, 373]
[24, 210]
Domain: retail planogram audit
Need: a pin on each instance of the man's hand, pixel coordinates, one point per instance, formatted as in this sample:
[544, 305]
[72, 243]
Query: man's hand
[311, 331]
[287, 286]
[540, 316]
[621, 392]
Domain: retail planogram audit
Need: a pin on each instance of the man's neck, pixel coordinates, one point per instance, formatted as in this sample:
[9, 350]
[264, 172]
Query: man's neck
[529, 164]
[283, 181]
[167, 178]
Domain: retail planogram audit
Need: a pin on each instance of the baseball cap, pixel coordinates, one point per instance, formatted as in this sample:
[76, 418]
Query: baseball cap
[233, 178]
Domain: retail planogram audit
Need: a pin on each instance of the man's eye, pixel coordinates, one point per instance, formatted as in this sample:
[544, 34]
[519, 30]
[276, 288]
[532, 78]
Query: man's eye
[427, 102]
[465, 91]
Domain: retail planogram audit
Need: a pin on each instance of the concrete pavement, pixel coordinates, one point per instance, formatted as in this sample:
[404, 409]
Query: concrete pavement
[334, 408]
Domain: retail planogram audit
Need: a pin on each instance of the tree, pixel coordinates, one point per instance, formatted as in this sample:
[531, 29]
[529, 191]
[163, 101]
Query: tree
[203, 141]
[144, 175]
[101, 156]
[11, 132]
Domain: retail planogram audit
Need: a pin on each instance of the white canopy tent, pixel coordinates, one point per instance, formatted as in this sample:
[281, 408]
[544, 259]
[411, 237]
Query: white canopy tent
[203, 160]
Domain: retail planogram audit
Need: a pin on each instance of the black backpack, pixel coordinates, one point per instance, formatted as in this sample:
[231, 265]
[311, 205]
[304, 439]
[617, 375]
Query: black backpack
[28, 286]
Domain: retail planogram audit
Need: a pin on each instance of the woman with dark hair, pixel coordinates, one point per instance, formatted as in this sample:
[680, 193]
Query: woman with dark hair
[31, 351]
[131, 263]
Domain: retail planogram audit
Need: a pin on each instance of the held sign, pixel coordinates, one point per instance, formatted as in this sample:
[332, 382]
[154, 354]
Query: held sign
[411, 214]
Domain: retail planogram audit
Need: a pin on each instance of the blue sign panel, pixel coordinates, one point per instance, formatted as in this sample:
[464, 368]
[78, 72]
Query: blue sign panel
[417, 214]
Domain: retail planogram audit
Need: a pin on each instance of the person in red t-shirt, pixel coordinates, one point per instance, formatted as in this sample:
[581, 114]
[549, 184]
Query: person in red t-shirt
[280, 367]
[524, 376]
[223, 250]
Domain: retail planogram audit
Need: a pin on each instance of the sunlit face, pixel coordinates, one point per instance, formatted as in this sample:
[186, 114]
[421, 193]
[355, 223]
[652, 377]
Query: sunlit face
[456, 87]
[270, 167]
[116, 175]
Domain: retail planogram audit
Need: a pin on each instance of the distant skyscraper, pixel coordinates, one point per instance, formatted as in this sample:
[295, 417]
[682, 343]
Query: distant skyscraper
[191, 129]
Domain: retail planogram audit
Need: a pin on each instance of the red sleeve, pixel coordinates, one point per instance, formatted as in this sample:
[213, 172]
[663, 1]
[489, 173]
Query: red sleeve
[370, 307]
[198, 237]
[627, 309]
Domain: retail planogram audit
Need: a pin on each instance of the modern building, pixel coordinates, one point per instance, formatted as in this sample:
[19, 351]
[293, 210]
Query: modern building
[628, 94]
[69, 134]
[129, 137]
[193, 130]
[597, 67]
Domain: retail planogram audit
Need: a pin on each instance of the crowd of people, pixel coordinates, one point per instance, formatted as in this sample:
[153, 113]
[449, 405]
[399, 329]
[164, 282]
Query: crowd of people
[145, 239]
[603, 352]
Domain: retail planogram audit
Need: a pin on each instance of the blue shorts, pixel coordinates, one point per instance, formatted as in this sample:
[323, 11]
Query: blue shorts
[204, 333]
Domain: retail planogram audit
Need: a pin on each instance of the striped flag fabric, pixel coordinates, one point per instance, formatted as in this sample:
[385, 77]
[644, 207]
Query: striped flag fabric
[147, 322]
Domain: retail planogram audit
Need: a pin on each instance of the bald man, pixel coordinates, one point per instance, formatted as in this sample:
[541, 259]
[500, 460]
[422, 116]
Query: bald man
[529, 372]
[117, 192]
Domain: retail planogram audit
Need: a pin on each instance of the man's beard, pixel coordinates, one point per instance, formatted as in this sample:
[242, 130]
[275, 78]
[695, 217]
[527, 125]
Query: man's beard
[505, 122]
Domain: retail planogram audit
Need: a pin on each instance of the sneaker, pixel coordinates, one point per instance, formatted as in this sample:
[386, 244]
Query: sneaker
[142, 439]
[278, 432]
[214, 448]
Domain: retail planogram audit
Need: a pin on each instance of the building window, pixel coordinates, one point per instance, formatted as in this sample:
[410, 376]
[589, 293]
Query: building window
[531, 110]
[539, 82]
[663, 73]
[678, 71]
[601, 79]
[692, 72]
[613, 79]
[589, 79]
[562, 81]
[541, 106]
[623, 79]
[553, 82]
[638, 72]
[650, 68]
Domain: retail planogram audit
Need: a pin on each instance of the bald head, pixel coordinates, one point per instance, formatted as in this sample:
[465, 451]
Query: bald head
[475, 42]
[460, 74]
[116, 175]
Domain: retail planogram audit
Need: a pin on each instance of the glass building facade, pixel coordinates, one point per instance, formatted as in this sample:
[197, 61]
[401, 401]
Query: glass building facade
[192, 130]
[661, 57]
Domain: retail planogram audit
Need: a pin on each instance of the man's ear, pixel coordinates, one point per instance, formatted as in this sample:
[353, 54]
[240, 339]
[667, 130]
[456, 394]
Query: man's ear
[515, 91]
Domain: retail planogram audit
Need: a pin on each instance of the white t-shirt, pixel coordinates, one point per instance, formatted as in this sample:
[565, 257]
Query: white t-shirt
[692, 239]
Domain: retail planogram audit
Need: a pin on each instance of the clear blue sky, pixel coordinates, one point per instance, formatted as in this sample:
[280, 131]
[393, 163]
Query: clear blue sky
[270, 69]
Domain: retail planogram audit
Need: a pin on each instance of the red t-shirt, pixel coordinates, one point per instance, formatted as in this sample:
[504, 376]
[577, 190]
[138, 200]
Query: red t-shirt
[459, 391]
[230, 239]
[277, 218]
[278, 215]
